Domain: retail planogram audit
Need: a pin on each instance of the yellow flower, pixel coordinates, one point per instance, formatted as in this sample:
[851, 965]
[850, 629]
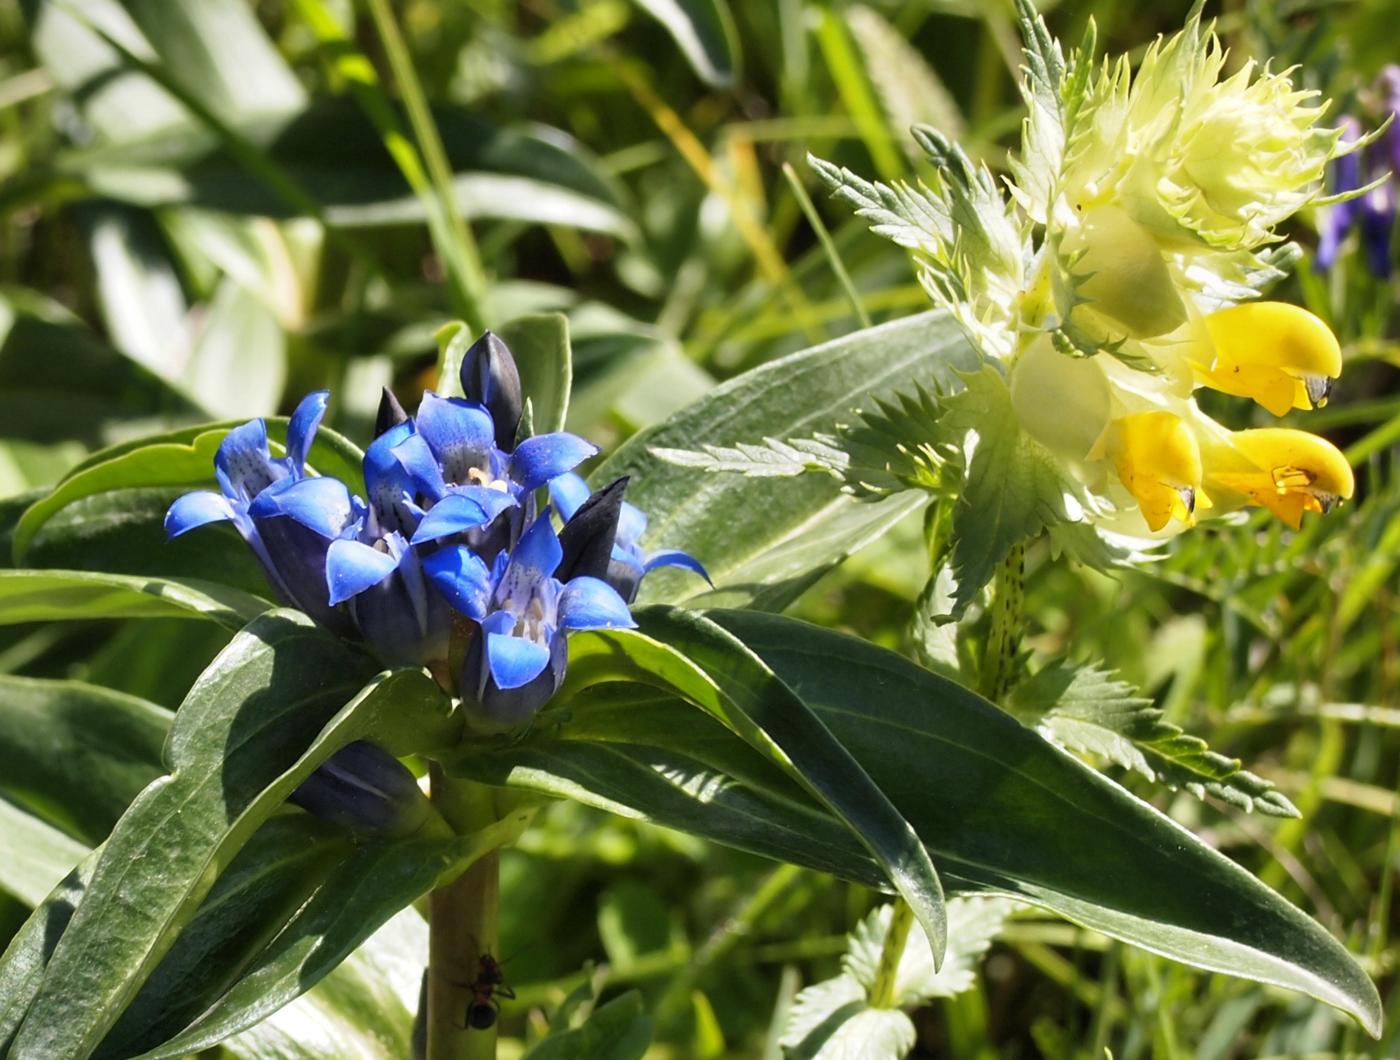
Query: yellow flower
[1278, 354]
[1156, 457]
[1288, 472]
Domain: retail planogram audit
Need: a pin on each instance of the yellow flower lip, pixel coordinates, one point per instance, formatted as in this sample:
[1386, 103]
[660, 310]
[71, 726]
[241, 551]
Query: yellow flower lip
[1158, 461]
[1280, 355]
[1294, 472]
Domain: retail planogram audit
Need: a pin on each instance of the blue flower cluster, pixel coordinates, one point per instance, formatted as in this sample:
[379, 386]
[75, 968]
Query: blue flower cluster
[447, 563]
[1372, 214]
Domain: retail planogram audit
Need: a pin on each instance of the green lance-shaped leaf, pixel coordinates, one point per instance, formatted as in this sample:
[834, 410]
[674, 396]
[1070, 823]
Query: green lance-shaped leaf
[273, 705]
[687, 653]
[998, 805]
[359, 896]
[34, 855]
[77, 753]
[179, 458]
[765, 541]
[53, 595]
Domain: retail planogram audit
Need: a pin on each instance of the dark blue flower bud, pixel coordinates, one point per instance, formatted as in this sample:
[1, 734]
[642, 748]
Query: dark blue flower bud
[588, 537]
[490, 378]
[364, 788]
[391, 413]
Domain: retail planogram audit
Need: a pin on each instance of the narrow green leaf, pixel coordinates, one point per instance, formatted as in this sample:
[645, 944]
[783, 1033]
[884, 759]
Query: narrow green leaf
[34, 855]
[77, 753]
[53, 595]
[999, 805]
[283, 864]
[364, 1008]
[540, 344]
[672, 789]
[765, 541]
[683, 651]
[265, 713]
[24, 960]
[704, 31]
[362, 893]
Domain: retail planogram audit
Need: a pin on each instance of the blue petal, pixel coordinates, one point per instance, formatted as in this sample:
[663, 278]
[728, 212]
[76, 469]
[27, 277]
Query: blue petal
[545, 456]
[465, 508]
[590, 603]
[352, 567]
[321, 504]
[460, 434]
[512, 661]
[536, 556]
[674, 557]
[243, 464]
[461, 576]
[399, 467]
[631, 525]
[196, 509]
[568, 492]
[301, 431]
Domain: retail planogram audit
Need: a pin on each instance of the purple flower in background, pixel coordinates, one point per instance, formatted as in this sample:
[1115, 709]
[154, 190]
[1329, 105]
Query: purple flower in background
[1371, 214]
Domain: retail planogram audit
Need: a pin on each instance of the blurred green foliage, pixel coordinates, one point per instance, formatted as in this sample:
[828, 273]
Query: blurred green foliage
[208, 207]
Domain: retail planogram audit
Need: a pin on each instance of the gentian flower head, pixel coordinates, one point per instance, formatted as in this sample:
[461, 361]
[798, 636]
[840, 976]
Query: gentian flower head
[366, 789]
[516, 658]
[628, 562]
[288, 517]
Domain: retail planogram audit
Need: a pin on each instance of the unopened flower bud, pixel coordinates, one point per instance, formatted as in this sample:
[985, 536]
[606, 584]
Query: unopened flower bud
[365, 789]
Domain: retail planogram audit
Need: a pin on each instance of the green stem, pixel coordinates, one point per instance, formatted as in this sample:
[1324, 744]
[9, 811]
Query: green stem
[1004, 636]
[882, 991]
[464, 924]
[446, 223]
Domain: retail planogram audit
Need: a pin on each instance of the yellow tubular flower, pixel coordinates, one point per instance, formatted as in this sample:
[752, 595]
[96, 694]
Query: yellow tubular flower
[1293, 472]
[1158, 460]
[1278, 354]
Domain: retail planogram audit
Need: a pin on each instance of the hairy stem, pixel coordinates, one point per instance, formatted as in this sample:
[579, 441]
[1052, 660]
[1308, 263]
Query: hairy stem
[463, 923]
[882, 991]
[1004, 636]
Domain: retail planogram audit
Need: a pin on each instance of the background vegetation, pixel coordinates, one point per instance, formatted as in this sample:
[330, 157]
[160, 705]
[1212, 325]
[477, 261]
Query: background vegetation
[209, 207]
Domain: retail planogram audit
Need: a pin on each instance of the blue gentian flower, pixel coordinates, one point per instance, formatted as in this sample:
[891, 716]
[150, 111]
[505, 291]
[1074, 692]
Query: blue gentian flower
[462, 438]
[516, 659]
[288, 517]
[630, 563]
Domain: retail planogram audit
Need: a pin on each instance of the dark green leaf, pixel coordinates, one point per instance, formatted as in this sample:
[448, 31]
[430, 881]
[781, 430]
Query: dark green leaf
[685, 652]
[998, 805]
[265, 713]
[76, 753]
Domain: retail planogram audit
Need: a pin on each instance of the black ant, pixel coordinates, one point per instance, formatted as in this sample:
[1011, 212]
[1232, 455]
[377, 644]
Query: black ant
[490, 985]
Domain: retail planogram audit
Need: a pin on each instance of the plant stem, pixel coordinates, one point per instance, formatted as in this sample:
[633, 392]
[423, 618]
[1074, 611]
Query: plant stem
[882, 991]
[1004, 636]
[463, 924]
